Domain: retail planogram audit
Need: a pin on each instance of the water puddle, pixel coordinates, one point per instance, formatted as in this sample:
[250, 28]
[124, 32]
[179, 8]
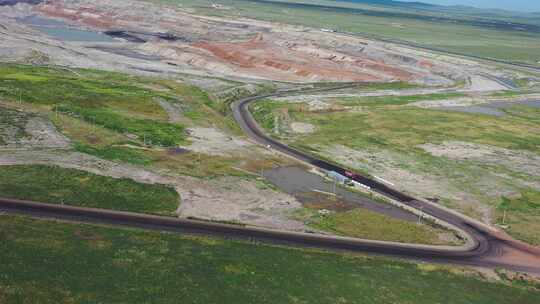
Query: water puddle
[63, 31]
[307, 188]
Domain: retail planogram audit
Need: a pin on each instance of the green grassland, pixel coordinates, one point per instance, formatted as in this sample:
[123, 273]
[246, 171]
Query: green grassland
[57, 185]
[118, 102]
[504, 44]
[390, 126]
[114, 101]
[381, 125]
[395, 100]
[48, 262]
[118, 117]
[522, 214]
[365, 224]
[152, 132]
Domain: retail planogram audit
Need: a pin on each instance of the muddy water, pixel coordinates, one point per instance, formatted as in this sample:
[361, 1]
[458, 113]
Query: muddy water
[297, 182]
[63, 31]
[493, 108]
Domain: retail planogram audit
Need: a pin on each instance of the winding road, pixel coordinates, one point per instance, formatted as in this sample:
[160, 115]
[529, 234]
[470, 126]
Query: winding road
[486, 247]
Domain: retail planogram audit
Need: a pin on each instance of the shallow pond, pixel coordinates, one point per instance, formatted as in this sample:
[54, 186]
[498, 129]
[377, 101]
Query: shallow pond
[63, 31]
[297, 182]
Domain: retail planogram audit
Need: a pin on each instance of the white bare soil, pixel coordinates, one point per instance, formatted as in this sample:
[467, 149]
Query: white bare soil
[483, 84]
[302, 128]
[234, 199]
[215, 142]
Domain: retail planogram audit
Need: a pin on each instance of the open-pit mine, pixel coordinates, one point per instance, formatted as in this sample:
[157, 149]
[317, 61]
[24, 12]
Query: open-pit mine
[218, 124]
[154, 38]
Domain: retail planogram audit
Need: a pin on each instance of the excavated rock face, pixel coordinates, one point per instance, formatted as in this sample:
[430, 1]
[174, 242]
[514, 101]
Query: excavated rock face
[243, 48]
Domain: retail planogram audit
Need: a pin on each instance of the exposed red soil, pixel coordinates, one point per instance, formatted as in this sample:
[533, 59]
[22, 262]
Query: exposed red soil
[274, 56]
[266, 59]
[84, 15]
[515, 252]
[426, 64]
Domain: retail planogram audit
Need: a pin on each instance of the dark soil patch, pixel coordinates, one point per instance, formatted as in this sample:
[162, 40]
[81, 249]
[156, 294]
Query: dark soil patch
[176, 151]
[318, 201]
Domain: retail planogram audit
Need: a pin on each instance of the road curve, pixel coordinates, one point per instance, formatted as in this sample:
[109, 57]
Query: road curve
[487, 242]
[487, 249]
[436, 254]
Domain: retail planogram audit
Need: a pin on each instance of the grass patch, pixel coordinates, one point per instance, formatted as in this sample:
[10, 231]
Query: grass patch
[100, 142]
[403, 128]
[528, 201]
[264, 112]
[208, 166]
[72, 263]
[522, 214]
[84, 88]
[73, 187]
[395, 100]
[406, 127]
[121, 103]
[361, 223]
[196, 164]
[116, 154]
[152, 132]
[509, 93]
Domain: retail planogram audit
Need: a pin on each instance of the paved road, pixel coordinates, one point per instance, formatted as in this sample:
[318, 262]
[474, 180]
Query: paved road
[488, 243]
[473, 256]
[487, 248]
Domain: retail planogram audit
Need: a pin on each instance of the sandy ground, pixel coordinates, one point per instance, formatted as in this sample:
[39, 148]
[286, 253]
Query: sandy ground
[214, 142]
[302, 128]
[482, 84]
[240, 200]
